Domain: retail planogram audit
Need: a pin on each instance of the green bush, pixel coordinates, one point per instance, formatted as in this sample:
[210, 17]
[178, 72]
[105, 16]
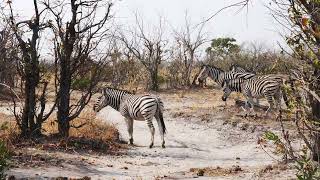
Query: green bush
[80, 84]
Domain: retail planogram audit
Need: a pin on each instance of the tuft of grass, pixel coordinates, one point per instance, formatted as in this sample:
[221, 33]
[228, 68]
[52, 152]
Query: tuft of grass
[218, 171]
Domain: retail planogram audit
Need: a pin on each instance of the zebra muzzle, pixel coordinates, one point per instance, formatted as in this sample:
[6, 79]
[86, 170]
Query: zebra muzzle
[224, 98]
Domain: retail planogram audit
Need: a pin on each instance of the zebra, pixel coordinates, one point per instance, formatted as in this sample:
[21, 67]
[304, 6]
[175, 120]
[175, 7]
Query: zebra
[256, 88]
[237, 68]
[134, 107]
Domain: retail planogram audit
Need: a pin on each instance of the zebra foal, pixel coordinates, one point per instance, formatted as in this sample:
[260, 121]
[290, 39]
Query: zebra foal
[134, 107]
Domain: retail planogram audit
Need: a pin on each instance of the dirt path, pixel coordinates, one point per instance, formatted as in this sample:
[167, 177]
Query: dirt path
[189, 144]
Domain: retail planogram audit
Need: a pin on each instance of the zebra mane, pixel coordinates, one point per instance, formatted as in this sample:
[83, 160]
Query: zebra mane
[110, 88]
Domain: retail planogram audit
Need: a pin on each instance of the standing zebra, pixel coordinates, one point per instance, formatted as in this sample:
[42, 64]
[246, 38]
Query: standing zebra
[256, 88]
[134, 107]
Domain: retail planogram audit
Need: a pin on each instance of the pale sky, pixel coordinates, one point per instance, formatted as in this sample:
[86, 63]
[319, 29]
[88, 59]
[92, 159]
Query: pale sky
[256, 25]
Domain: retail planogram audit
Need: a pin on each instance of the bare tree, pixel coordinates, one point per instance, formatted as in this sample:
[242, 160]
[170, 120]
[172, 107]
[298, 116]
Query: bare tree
[188, 40]
[148, 48]
[33, 111]
[80, 39]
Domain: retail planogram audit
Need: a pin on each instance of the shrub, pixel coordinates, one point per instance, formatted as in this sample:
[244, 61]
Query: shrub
[81, 83]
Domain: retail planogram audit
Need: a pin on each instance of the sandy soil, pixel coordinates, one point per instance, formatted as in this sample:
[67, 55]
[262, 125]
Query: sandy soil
[201, 133]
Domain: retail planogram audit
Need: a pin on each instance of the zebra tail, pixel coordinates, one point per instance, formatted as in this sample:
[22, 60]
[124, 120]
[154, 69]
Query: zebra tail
[160, 113]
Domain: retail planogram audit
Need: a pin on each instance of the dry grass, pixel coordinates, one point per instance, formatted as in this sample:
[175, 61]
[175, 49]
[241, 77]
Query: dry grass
[94, 135]
[218, 171]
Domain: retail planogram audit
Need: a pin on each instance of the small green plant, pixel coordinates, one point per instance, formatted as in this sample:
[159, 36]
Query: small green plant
[307, 169]
[280, 147]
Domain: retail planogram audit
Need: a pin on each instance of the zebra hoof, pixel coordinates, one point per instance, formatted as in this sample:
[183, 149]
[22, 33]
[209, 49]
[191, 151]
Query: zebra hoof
[151, 145]
[131, 141]
[163, 146]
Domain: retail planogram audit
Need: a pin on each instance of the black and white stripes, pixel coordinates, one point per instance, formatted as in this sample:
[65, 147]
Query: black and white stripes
[255, 88]
[134, 107]
[250, 85]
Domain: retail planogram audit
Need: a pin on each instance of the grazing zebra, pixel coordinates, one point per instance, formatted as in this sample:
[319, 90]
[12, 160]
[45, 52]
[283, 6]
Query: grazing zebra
[134, 107]
[255, 88]
[236, 68]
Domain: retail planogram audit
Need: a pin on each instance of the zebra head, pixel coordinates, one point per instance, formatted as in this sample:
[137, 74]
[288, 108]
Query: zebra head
[204, 73]
[209, 71]
[237, 69]
[226, 90]
[100, 103]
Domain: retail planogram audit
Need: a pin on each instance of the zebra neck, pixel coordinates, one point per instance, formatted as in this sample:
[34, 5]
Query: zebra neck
[116, 100]
[214, 74]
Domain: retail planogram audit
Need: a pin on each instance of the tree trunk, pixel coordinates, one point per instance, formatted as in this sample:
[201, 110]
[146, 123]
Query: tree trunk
[154, 81]
[29, 127]
[186, 76]
[64, 99]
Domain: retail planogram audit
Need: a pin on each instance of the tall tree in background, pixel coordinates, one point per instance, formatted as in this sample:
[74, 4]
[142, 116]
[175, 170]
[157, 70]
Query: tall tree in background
[221, 48]
[148, 48]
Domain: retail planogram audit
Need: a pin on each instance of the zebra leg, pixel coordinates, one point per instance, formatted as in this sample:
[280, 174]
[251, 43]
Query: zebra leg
[277, 98]
[270, 101]
[251, 102]
[130, 130]
[150, 125]
[161, 131]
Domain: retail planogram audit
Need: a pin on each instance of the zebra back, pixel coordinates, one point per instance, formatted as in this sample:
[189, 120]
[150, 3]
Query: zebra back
[232, 75]
[257, 86]
[277, 77]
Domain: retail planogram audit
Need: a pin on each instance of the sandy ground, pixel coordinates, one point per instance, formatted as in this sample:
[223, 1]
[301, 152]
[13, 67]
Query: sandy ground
[201, 133]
